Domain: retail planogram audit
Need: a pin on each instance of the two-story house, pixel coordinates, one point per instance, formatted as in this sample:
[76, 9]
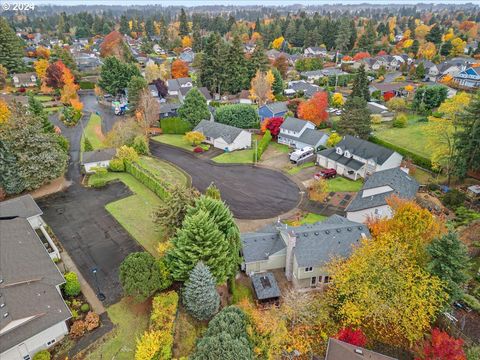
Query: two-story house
[24, 80]
[174, 85]
[274, 109]
[468, 78]
[356, 158]
[299, 133]
[302, 251]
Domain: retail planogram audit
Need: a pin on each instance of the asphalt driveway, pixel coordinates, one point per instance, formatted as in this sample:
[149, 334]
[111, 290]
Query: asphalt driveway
[251, 192]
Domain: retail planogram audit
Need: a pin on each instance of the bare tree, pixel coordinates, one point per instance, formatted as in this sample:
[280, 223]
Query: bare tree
[149, 110]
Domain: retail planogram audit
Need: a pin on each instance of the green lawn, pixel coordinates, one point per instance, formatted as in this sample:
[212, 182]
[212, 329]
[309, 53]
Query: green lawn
[164, 171]
[426, 177]
[280, 147]
[175, 140]
[312, 218]
[134, 213]
[44, 98]
[131, 321]
[296, 169]
[53, 109]
[93, 131]
[341, 184]
[235, 157]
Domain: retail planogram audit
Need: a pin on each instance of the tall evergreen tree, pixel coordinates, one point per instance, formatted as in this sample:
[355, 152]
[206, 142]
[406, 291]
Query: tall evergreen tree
[236, 71]
[355, 119]
[278, 85]
[11, 47]
[210, 63]
[258, 60]
[344, 34]
[450, 262]
[360, 84]
[10, 179]
[435, 35]
[200, 295]
[184, 28]
[367, 40]
[115, 75]
[124, 27]
[194, 108]
[135, 87]
[197, 42]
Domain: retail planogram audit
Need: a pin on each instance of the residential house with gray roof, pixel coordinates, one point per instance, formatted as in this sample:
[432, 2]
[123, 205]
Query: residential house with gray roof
[225, 137]
[303, 251]
[174, 85]
[340, 350]
[301, 87]
[274, 109]
[97, 158]
[371, 200]
[355, 158]
[299, 133]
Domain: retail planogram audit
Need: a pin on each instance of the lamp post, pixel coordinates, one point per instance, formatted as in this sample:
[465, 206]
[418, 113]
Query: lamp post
[100, 295]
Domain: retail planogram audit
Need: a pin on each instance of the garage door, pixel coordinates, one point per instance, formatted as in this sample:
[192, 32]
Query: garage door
[322, 161]
[340, 169]
[331, 165]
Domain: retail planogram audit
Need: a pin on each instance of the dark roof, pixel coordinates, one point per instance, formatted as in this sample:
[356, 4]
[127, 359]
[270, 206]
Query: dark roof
[401, 184]
[304, 86]
[29, 287]
[348, 162]
[259, 246]
[385, 87]
[365, 149]
[293, 124]
[217, 130]
[22, 206]
[169, 107]
[205, 93]
[265, 286]
[309, 136]
[277, 107]
[98, 155]
[339, 350]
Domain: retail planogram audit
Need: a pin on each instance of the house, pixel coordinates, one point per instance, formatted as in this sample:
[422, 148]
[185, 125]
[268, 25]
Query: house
[26, 208]
[33, 313]
[203, 90]
[275, 109]
[301, 87]
[431, 69]
[87, 62]
[299, 133]
[453, 66]
[169, 110]
[398, 89]
[302, 251]
[315, 51]
[266, 288]
[225, 137]
[354, 158]
[468, 78]
[187, 55]
[379, 109]
[371, 200]
[340, 350]
[174, 85]
[153, 91]
[97, 158]
[24, 80]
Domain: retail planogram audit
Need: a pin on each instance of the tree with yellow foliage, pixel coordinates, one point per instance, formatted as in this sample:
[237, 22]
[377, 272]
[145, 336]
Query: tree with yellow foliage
[427, 50]
[338, 100]
[407, 43]
[41, 66]
[186, 41]
[334, 139]
[194, 137]
[278, 42]
[261, 87]
[4, 112]
[152, 73]
[448, 35]
[43, 52]
[421, 31]
[458, 46]
[255, 37]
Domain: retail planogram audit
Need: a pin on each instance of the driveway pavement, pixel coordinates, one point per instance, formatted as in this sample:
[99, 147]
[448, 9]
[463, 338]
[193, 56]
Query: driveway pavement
[251, 192]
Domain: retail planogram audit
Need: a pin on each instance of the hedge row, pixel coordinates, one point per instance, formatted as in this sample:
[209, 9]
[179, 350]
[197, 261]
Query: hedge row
[175, 125]
[263, 145]
[148, 179]
[86, 85]
[417, 159]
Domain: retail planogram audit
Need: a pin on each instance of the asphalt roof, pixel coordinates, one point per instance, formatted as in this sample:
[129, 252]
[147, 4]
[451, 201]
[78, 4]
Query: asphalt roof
[98, 155]
[310, 136]
[265, 286]
[293, 124]
[217, 130]
[365, 149]
[169, 107]
[348, 162]
[277, 107]
[402, 185]
[259, 246]
[23, 206]
[339, 350]
[29, 287]
[304, 86]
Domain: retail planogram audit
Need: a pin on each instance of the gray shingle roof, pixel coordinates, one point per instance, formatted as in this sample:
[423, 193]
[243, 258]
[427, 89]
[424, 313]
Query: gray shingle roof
[98, 155]
[29, 288]
[401, 183]
[258, 246]
[169, 107]
[339, 350]
[304, 86]
[348, 162]
[217, 130]
[265, 286]
[293, 124]
[278, 107]
[22, 206]
[365, 149]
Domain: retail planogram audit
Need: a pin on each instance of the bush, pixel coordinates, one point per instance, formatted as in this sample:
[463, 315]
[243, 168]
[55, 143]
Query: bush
[175, 125]
[72, 285]
[400, 121]
[116, 165]
[148, 179]
[397, 104]
[87, 145]
[239, 115]
[126, 154]
[472, 302]
[140, 144]
[63, 142]
[86, 85]
[417, 159]
[376, 118]
[92, 321]
[263, 145]
[453, 198]
[198, 150]
[85, 308]
[78, 329]
[42, 355]
[70, 116]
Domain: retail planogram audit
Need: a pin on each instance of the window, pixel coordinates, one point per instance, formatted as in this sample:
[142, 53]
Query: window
[26, 357]
[377, 212]
[326, 279]
[309, 269]
[51, 342]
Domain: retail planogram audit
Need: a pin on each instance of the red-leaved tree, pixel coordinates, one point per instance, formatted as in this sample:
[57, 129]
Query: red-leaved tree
[440, 346]
[54, 75]
[361, 55]
[388, 95]
[179, 69]
[292, 105]
[315, 109]
[381, 53]
[273, 124]
[351, 336]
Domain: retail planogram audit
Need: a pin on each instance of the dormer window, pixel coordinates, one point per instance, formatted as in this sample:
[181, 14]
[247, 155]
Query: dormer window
[347, 154]
[339, 151]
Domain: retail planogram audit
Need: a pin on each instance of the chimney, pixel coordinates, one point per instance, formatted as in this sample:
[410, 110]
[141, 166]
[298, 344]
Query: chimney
[290, 239]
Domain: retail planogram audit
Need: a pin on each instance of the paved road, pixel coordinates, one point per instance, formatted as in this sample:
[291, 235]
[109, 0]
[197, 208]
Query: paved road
[251, 192]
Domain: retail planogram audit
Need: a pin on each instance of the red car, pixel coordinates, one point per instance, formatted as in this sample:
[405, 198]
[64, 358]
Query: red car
[325, 174]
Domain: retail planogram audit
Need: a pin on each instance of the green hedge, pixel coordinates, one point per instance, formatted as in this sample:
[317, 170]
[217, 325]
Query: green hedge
[263, 145]
[417, 159]
[175, 125]
[148, 179]
[86, 85]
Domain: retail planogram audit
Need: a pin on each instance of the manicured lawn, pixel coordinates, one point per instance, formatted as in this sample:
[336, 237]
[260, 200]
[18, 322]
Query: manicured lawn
[44, 98]
[296, 169]
[164, 170]
[312, 218]
[187, 331]
[235, 157]
[279, 147]
[425, 177]
[93, 131]
[53, 109]
[134, 213]
[131, 320]
[175, 140]
[341, 184]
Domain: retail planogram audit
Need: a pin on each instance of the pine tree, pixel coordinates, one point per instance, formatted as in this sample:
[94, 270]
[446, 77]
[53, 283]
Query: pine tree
[343, 38]
[87, 145]
[184, 28]
[135, 87]
[194, 108]
[355, 119]
[278, 84]
[11, 48]
[197, 42]
[258, 60]
[210, 63]
[367, 40]
[450, 262]
[124, 27]
[36, 108]
[200, 295]
[435, 35]
[10, 181]
[236, 71]
[360, 85]
[213, 192]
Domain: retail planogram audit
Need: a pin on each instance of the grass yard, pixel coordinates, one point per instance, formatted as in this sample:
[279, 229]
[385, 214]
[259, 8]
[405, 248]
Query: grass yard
[50, 110]
[93, 131]
[134, 212]
[187, 331]
[164, 171]
[241, 291]
[425, 177]
[131, 320]
[44, 98]
[312, 218]
[279, 147]
[341, 184]
[174, 140]
[296, 169]
[235, 157]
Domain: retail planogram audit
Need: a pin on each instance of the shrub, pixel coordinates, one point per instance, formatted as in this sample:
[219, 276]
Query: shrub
[263, 145]
[42, 355]
[140, 144]
[127, 154]
[85, 308]
[72, 285]
[175, 125]
[472, 302]
[87, 145]
[70, 116]
[453, 198]
[92, 321]
[376, 118]
[198, 150]
[86, 85]
[78, 329]
[148, 179]
[239, 115]
[63, 142]
[397, 104]
[400, 121]
[116, 165]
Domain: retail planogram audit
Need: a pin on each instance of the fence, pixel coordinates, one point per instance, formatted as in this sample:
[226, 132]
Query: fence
[148, 179]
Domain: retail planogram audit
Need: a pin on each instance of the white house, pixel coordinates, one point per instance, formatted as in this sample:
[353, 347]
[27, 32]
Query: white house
[174, 85]
[371, 200]
[315, 51]
[33, 313]
[299, 133]
[225, 137]
[97, 158]
[356, 158]
[24, 80]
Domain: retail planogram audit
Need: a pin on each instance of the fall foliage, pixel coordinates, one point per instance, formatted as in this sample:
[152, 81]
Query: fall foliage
[352, 336]
[4, 112]
[315, 109]
[186, 41]
[179, 69]
[261, 87]
[440, 346]
[278, 42]
[41, 66]
[361, 55]
[113, 45]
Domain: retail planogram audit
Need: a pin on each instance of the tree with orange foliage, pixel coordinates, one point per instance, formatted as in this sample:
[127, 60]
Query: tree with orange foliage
[76, 104]
[69, 90]
[255, 37]
[186, 42]
[361, 55]
[440, 346]
[42, 52]
[315, 109]
[114, 45]
[179, 69]
[54, 75]
[427, 50]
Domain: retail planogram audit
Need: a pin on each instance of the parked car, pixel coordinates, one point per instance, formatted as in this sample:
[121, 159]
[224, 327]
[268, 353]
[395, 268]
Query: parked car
[301, 154]
[325, 174]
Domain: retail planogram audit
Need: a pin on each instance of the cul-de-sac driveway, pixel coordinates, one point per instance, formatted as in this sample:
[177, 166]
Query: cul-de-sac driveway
[250, 192]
